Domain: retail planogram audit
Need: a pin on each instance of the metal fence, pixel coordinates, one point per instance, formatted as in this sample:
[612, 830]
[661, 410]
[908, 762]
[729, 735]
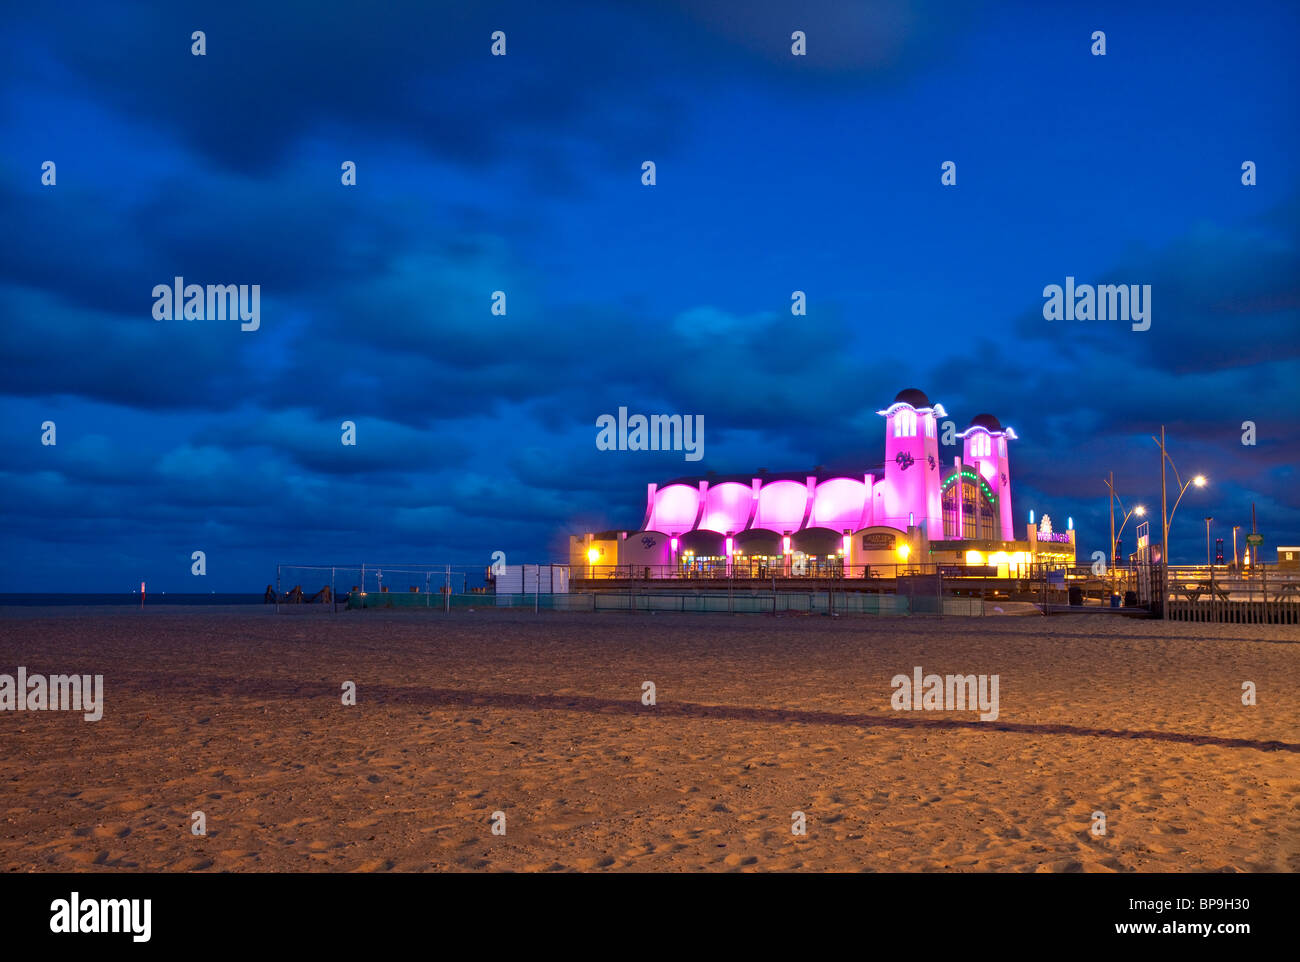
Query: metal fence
[751, 569]
[883, 589]
[377, 585]
[1218, 593]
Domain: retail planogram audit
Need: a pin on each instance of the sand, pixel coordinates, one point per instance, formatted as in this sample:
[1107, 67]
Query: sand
[238, 713]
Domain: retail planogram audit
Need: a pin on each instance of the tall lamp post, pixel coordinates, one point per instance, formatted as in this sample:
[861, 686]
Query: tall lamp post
[1139, 511]
[1168, 519]
[1115, 535]
[1110, 485]
[1208, 563]
[1236, 565]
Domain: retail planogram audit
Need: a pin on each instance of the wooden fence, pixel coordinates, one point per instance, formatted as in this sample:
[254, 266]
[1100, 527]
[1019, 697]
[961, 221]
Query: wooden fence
[1192, 596]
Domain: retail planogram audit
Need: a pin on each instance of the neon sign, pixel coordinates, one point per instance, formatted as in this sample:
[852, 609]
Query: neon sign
[1061, 537]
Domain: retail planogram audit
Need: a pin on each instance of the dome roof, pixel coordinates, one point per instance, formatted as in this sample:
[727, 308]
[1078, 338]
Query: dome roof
[914, 397]
[986, 421]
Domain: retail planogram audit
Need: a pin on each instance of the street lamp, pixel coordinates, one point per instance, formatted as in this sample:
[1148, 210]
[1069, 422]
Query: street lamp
[1208, 563]
[1115, 535]
[1168, 518]
[1139, 511]
[1199, 481]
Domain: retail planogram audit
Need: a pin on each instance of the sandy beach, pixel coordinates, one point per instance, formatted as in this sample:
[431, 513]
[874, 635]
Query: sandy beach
[238, 713]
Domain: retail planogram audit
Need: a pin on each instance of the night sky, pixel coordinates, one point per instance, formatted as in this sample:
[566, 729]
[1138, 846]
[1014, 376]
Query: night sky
[523, 174]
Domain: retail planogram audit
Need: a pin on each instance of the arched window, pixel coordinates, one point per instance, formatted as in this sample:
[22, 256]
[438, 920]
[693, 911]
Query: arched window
[905, 423]
[978, 516]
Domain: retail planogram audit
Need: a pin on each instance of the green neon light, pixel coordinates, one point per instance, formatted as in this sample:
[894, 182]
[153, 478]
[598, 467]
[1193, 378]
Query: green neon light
[969, 475]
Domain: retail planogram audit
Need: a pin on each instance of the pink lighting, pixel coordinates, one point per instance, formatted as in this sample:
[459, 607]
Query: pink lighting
[838, 503]
[912, 488]
[781, 506]
[727, 507]
[905, 423]
[674, 507]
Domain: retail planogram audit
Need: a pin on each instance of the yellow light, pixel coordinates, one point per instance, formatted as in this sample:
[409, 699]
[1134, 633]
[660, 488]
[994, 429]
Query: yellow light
[904, 550]
[1140, 511]
[593, 555]
[974, 557]
[1199, 480]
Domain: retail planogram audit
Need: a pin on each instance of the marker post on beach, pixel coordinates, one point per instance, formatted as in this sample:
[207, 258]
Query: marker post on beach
[142, 594]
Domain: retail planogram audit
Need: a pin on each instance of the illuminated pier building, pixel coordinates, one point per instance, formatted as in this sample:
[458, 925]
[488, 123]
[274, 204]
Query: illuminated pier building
[911, 510]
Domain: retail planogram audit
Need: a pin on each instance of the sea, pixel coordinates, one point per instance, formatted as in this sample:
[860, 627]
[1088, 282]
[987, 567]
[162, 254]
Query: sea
[127, 599]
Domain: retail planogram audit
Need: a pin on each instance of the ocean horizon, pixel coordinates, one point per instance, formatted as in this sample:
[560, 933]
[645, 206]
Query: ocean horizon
[127, 598]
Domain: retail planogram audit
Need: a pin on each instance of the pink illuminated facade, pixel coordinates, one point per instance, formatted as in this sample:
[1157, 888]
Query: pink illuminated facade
[902, 508]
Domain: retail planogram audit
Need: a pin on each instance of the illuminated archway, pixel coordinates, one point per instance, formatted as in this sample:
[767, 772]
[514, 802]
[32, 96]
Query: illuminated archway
[978, 507]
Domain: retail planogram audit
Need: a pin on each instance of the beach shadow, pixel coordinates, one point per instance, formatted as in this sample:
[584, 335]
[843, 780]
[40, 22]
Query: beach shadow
[587, 704]
[607, 706]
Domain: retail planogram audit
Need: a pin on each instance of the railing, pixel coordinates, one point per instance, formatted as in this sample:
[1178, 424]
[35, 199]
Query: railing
[1252, 574]
[374, 585]
[758, 571]
[1259, 594]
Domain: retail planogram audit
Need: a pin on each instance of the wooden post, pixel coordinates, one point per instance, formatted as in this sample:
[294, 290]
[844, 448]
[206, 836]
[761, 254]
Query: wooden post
[1263, 570]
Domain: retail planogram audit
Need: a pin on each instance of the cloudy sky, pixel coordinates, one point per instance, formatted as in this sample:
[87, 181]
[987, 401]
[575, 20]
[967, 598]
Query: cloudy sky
[522, 173]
